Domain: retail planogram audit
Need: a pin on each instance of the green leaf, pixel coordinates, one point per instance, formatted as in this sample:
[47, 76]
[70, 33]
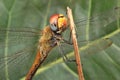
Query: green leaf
[16, 55]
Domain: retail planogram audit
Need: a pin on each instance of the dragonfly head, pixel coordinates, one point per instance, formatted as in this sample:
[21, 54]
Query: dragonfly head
[58, 23]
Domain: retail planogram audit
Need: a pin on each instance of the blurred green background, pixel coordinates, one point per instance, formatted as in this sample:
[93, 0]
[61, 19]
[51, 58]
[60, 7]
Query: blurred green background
[34, 14]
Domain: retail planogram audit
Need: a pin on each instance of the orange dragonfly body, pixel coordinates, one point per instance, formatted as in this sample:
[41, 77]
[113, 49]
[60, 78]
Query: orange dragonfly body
[48, 41]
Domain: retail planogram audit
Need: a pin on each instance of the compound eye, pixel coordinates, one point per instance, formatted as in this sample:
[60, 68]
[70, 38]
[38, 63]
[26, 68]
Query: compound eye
[53, 27]
[62, 22]
[54, 19]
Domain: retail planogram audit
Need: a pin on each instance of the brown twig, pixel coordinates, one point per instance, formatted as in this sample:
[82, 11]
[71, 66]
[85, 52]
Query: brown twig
[76, 50]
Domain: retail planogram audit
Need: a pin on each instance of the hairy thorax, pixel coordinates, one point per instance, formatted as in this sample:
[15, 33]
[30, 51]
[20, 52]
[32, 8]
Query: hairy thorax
[46, 43]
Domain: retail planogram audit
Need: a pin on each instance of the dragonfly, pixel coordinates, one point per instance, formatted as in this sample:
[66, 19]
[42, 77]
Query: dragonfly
[17, 43]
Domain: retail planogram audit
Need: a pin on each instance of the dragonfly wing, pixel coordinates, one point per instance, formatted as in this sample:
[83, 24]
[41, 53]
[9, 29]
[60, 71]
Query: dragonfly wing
[104, 17]
[15, 36]
[98, 25]
[96, 46]
[21, 60]
[17, 50]
[88, 48]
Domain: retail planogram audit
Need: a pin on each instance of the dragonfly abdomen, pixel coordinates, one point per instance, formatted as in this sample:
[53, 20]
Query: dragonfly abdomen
[46, 43]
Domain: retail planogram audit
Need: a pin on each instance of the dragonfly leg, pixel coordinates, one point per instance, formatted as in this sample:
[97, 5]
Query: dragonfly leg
[68, 41]
[65, 58]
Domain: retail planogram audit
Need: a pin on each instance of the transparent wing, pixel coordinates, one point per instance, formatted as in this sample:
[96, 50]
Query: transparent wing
[98, 25]
[106, 18]
[89, 48]
[21, 60]
[17, 35]
[96, 46]
[94, 29]
[17, 50]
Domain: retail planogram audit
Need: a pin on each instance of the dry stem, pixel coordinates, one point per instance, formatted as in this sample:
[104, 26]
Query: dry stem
[76, 50]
